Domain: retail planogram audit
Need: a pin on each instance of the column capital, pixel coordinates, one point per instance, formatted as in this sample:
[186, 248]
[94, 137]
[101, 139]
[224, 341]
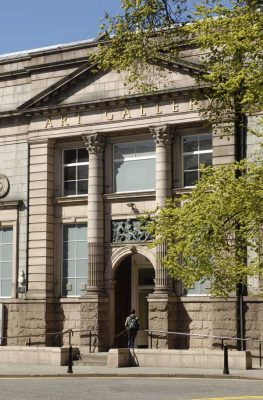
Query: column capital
[162, 134]
[95, 142]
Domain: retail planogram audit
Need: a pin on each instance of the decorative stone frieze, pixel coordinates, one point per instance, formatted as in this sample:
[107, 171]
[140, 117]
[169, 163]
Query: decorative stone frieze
[129, 231]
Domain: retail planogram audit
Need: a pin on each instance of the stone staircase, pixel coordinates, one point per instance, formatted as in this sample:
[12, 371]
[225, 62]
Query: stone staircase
[91, 359]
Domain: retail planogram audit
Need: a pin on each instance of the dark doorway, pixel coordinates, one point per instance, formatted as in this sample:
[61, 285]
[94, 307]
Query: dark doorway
[122, 299]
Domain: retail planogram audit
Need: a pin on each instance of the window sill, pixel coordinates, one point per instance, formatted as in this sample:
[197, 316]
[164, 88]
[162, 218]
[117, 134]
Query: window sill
[182, 190]
[130, 195]
[71, 199]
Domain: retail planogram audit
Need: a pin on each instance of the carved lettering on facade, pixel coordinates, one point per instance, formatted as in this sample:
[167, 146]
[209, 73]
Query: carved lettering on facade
[143, 113]
[158, 110]
[194, 105]
[109, 116]
[64, 119]
[126, 113]
[79, 118]
[49, 123]
[175, 107]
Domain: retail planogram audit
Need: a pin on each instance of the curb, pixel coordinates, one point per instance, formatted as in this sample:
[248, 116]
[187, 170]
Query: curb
[126, 375]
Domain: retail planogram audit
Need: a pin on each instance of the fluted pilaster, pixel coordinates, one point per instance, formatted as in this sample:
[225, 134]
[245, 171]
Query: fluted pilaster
[163, 139]
[95, 144]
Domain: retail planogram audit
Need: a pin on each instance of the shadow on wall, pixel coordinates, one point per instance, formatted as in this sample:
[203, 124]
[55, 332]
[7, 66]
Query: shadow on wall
[59, 325]
[183, 325]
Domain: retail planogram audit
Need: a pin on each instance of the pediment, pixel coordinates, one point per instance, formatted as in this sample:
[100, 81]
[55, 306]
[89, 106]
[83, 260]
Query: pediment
[87, 85]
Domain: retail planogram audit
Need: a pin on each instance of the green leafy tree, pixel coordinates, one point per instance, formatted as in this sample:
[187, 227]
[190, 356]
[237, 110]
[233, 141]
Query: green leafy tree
[150, 35]
[231, 41]
[209, 230]
[141, 40]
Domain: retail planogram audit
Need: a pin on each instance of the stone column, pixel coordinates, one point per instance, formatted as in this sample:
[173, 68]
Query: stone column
[95, 145]
[94, 306]
[163, 139]
[162, 303]
[162, 136]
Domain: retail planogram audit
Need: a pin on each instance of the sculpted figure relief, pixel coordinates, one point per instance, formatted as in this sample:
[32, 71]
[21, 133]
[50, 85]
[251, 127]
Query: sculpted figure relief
[129, 231]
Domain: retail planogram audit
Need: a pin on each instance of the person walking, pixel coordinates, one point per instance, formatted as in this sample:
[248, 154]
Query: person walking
[132, 326]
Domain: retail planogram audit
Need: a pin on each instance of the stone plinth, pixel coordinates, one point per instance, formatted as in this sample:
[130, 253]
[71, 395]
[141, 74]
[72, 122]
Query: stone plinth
[35, 355]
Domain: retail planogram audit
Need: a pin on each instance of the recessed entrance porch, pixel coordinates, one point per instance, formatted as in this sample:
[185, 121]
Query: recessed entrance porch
[134, 282]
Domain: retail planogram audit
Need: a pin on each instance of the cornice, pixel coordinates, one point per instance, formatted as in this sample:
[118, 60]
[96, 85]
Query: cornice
[111, 101]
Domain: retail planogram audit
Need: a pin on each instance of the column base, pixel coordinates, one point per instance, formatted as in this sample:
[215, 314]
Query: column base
[163, 290]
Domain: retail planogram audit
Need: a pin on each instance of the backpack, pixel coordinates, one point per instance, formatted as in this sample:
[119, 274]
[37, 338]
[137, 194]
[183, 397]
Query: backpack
[133, 323]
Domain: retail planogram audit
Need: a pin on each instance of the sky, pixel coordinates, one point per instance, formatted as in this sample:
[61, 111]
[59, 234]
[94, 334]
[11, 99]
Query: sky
[30, 24]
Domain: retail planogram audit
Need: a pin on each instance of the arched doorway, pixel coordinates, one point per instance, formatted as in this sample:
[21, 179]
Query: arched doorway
[134, 281]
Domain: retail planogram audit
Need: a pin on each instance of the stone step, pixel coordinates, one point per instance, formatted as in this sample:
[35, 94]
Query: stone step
[99, 359]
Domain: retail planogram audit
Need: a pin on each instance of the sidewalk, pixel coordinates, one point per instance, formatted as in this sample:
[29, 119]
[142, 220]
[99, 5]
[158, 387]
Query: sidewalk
[29, 370]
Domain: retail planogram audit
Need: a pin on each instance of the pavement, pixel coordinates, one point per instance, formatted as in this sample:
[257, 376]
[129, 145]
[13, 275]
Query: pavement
[44, 371]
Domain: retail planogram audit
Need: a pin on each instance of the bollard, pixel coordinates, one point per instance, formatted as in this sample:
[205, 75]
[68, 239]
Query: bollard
[90, 341]
[226, 369]
[151, 339]
[70, 355]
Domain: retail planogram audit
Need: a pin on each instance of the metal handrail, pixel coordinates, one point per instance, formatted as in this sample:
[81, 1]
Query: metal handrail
[115, 338]
[203, 335]
[222, 338]
[70, 332]
[56, 334]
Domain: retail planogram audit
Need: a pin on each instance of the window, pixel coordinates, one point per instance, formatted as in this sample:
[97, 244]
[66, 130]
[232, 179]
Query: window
[134, 166]
[6, 261]
[200, 288]
[75, 255]
[76, 172]
[196, 150]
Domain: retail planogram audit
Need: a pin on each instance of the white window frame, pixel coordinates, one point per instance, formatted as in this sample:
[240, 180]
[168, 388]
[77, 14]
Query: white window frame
[204, 294]
[130, 159]
[196, 152]
[76, 164]
[12, 224]
[62, 259]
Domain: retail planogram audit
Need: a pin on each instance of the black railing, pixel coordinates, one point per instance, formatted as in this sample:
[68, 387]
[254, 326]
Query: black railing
[157, 333]
[57, 338]
[116, 338]
[57, 335]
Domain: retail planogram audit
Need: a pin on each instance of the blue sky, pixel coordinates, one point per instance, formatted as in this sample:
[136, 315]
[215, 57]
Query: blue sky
[29, 24]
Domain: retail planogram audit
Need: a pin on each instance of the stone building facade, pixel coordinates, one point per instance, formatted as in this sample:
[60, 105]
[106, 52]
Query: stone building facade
[81, 159]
